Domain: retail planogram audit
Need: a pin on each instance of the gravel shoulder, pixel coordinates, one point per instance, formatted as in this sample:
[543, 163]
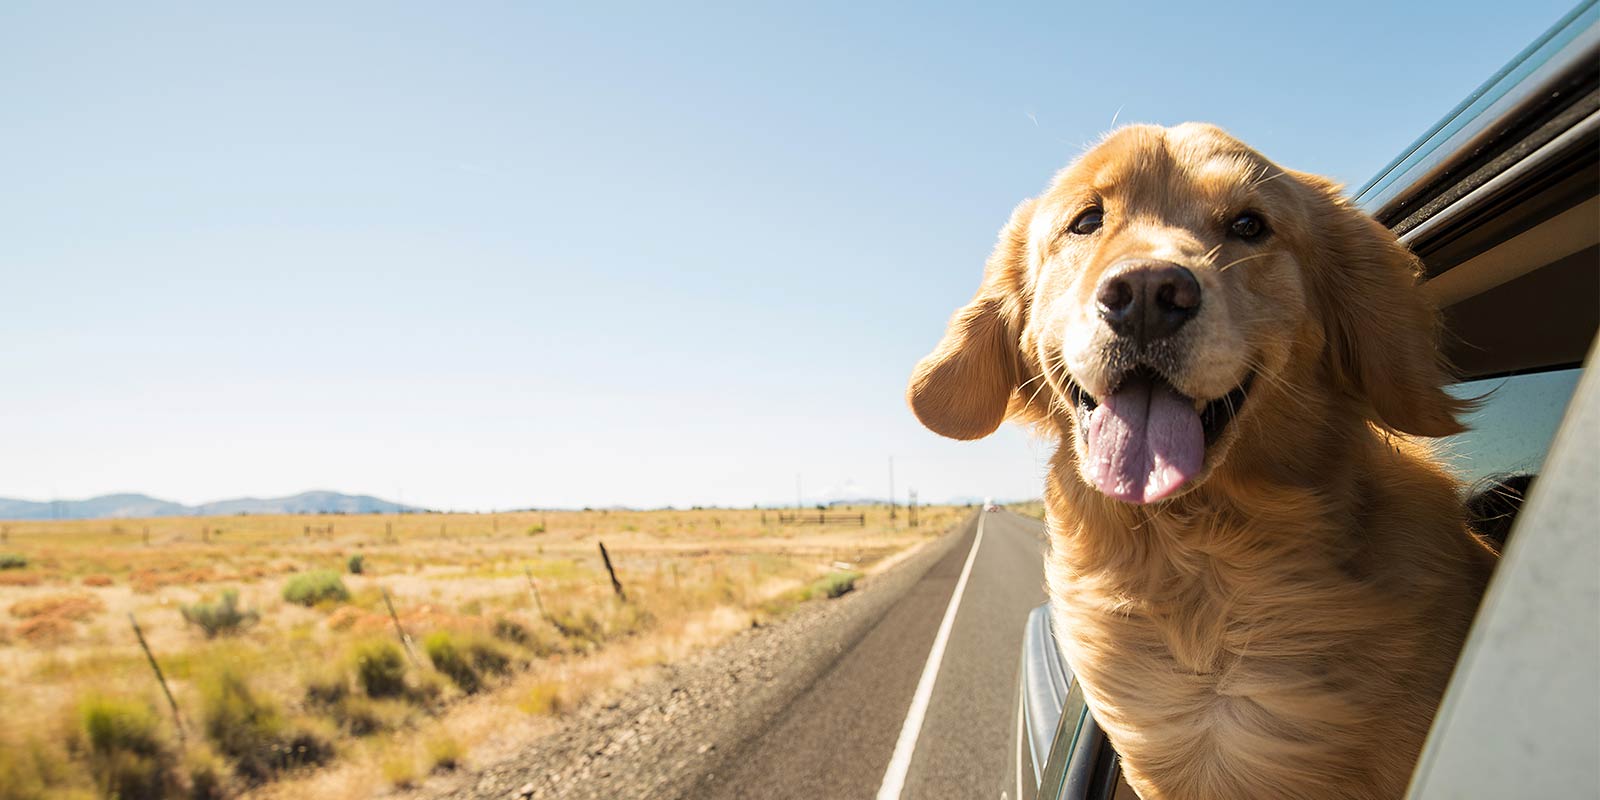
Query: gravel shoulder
[661, 738]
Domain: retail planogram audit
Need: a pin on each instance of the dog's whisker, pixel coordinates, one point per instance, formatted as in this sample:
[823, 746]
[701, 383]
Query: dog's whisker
[1243, 259]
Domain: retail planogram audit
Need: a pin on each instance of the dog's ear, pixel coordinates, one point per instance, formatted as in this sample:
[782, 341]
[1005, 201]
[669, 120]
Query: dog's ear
[962, 389]
[1383, 333]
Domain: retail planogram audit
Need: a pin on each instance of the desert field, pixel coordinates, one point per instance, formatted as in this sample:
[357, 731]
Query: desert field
[341, 656]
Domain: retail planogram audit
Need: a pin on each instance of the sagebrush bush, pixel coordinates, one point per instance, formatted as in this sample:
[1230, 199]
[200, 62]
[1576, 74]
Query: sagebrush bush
[129, 757]
[317, 586]
[12, 561]
[357, 564]
[380, 668]
[253, 732]
[222, 617]
[451, 660]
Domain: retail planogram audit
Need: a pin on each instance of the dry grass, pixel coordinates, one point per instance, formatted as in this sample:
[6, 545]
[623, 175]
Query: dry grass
[294, 680]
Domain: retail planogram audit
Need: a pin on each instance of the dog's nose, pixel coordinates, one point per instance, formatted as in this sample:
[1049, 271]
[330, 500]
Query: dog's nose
[1147, 300]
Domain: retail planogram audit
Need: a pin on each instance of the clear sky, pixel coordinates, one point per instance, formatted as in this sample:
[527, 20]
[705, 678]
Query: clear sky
[489, 255]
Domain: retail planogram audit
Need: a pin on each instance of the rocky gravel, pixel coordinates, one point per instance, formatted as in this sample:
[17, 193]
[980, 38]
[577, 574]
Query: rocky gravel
[674, 731]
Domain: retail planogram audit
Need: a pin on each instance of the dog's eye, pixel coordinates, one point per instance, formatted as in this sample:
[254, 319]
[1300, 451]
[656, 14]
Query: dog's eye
[1088, 222]
[1247, 226]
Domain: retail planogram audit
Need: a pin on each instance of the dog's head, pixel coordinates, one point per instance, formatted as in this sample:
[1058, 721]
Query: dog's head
[1170, 283]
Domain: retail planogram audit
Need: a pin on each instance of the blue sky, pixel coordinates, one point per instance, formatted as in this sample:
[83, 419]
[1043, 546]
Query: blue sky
[501, 255]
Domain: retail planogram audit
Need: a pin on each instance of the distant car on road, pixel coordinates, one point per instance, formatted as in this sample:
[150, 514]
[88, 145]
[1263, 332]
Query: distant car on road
[1500, 201]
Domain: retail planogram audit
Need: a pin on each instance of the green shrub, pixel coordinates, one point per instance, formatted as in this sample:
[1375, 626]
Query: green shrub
[252, 731]
[357, 564]
[327, 688]
[34, 767]
[535, 530]
[208, 774]
[129, 757]
[449, 658]
[12, 561]
[834, 584]
[221, 617]
[507, 629]
[364, 716]
[380, 668]
[488, 656]
[580, 626]
[445, 752]
[318, 586]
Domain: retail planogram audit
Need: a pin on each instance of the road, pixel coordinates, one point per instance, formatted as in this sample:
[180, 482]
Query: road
[837, 737]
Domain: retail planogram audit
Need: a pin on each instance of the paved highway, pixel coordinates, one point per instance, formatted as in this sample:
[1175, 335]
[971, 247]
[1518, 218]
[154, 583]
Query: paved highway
[837, 739]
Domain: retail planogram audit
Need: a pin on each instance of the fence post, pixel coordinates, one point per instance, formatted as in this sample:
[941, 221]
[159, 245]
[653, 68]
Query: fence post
[161, 679]
[537, 600]
[405, 641]
[616, 585]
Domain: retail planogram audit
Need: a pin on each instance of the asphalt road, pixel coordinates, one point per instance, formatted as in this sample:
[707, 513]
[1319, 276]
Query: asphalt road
[836, 738]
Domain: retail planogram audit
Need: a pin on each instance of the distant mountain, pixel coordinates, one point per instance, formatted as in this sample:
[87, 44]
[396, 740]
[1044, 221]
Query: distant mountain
[120, 506]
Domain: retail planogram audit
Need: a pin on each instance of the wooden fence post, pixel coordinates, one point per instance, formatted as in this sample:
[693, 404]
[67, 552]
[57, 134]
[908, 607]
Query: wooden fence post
[537, 600]
[161, 679]
[616, 585]
[405, 640]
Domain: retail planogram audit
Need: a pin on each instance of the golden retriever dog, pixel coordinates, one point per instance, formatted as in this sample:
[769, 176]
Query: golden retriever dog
[1260, 581]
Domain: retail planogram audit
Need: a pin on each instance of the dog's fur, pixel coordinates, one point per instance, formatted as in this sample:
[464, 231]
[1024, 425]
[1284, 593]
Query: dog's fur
[1285, 626]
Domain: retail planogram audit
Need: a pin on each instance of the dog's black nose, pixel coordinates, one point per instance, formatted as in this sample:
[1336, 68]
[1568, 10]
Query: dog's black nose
[1147, 300]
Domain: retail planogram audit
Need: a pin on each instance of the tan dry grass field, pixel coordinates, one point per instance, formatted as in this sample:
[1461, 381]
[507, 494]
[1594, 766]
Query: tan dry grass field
[307, 690]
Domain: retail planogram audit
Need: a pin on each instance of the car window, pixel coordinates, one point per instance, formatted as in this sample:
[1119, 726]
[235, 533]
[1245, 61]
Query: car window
[1074, 710]
[1511, 430]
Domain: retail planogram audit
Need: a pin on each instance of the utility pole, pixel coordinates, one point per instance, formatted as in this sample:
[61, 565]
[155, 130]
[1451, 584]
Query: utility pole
[798, 497]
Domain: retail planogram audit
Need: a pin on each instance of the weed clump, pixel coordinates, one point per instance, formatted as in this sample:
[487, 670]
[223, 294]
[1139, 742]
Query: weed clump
[222, 617]
[507, 629]
[449, 658]
[546, 697]
[127, 754]
[12, 561]
[834, 584]
[327, 689]
[318, 586]
[72, 607]
[445, 753]
[380, 668]
[357, 564]
[252, 731]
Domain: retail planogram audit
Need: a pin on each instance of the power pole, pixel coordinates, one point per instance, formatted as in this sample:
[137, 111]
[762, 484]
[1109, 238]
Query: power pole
[798, 497]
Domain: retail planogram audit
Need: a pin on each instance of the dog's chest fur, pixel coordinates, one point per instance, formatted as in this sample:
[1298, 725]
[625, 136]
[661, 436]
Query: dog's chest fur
[1225, 660]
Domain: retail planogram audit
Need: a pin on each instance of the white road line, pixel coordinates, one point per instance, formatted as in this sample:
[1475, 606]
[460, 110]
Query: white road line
[894, 778]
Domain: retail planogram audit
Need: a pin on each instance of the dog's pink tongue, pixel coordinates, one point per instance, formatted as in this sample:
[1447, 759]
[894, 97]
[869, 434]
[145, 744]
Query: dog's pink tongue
[1144, 442]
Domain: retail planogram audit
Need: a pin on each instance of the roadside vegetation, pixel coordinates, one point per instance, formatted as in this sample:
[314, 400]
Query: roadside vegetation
[332, 656]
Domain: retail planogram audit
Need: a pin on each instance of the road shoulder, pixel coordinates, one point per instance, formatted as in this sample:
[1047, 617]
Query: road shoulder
[664, 736]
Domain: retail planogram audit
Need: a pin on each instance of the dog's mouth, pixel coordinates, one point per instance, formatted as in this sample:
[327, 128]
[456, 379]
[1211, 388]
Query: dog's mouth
[1144, 439]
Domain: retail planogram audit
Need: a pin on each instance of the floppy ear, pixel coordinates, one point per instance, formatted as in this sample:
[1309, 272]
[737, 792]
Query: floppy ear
[961, 389]
[1383, 334]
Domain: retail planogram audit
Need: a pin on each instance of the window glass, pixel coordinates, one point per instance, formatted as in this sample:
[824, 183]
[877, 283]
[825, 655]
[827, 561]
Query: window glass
[1511, 430]
[1074, 710]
